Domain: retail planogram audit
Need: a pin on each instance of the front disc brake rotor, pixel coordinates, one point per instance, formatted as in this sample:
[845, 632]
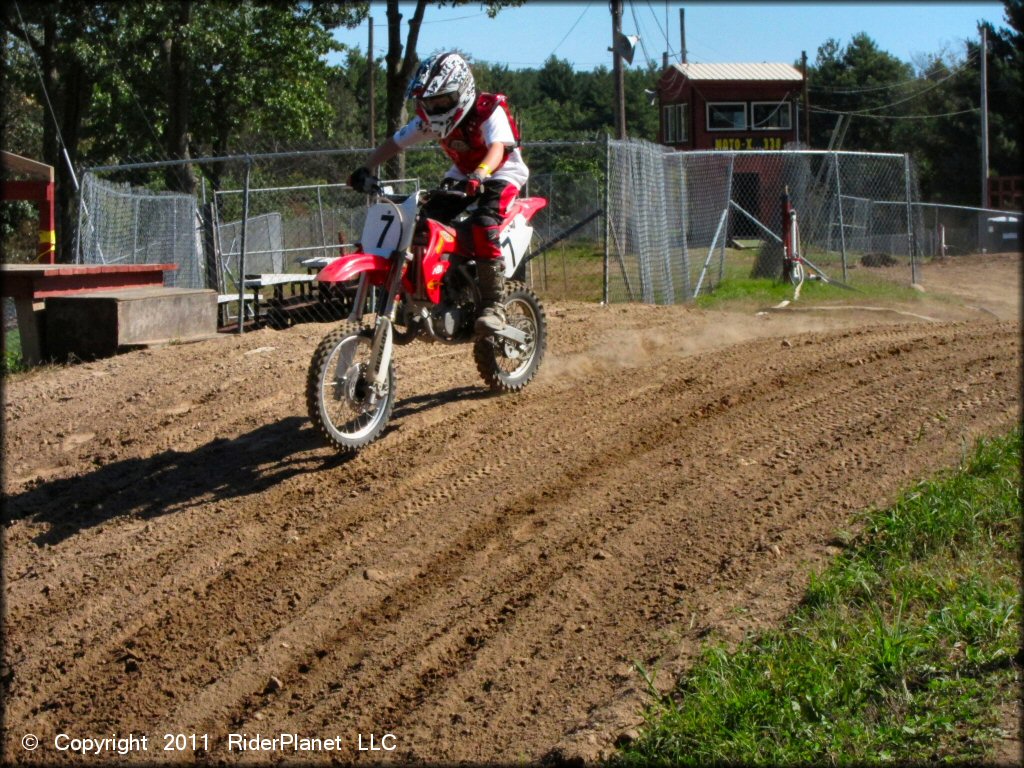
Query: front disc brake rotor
[355, 390]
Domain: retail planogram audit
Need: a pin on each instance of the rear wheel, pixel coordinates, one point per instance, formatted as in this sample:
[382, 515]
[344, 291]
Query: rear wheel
[350, 411]
[506, 365]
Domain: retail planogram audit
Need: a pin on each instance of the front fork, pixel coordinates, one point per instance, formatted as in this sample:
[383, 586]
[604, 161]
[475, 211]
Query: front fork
[383, 334]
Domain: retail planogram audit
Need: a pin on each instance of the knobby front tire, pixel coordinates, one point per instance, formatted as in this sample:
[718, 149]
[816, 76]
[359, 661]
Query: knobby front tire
[337, 394]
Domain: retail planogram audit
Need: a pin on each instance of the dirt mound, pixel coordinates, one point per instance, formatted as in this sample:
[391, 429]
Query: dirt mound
[182, 555]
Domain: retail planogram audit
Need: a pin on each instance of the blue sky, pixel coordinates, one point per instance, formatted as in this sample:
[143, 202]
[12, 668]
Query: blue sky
[580, 31]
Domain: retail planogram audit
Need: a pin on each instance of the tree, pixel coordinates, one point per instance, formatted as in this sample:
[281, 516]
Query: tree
[167, 80]
[1006, 91]
[946, 145]
[859, 80]
[68, 42]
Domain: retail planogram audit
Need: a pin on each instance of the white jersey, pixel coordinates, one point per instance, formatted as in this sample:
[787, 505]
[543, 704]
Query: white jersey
[495, 129]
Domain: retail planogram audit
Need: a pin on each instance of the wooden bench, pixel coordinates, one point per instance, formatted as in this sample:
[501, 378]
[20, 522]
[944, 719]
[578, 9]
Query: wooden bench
[278, 306]
[31, 283]
[91, 324]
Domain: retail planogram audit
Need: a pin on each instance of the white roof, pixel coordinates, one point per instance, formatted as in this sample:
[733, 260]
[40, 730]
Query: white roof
[762, 71]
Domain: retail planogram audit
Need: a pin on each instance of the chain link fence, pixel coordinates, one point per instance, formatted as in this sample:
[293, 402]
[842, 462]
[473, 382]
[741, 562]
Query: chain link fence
[681, 222]
[677, 223]
[123, 224]
[625, 221]
[955, 230]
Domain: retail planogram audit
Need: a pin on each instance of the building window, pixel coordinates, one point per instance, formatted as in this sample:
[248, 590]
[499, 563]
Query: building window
[676, 123]
[770, 116]
[727, 116]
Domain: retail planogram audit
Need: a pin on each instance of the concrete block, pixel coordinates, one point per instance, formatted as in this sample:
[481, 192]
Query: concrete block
[97, 323]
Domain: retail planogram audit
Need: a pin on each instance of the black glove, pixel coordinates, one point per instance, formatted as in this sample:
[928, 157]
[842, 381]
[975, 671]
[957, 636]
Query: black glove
[362, 180]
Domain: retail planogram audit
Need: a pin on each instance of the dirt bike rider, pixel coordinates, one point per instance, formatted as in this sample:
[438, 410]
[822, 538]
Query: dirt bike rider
[477, 132]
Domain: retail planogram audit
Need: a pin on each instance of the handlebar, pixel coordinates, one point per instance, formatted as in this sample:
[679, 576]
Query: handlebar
[425, 195]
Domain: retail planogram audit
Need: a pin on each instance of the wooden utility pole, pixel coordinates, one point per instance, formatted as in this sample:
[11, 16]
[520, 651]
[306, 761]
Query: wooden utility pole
[984, 116]
[682, 35]
[371, 76]
[618, 74]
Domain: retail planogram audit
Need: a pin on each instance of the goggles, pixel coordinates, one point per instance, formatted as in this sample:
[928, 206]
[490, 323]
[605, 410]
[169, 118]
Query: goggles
[438, 105]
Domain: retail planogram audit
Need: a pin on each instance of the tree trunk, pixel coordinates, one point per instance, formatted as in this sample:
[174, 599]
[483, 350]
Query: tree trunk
[75, 97]
[180, 178]
[66, 98]
[399, 69]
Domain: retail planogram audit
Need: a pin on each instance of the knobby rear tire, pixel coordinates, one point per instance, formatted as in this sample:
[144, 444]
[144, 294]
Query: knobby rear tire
[507, 374]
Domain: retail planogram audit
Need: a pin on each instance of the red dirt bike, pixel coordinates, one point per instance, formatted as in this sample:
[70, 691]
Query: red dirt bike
[422, 274]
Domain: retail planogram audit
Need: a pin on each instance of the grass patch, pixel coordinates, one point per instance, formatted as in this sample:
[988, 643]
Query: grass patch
[737, 289]
[747, 290]
[902, 650]
[12, 362]
[569, 271]
[574, 270]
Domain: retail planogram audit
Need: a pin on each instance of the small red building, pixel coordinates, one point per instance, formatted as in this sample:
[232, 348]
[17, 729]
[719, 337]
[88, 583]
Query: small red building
[736, 108]
[729, 106]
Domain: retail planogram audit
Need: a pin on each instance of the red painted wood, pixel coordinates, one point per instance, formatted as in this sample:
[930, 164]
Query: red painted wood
[38, 281]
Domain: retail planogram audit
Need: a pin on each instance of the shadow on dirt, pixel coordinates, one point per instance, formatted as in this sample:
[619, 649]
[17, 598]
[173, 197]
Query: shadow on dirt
[410, 406]
[172, 480]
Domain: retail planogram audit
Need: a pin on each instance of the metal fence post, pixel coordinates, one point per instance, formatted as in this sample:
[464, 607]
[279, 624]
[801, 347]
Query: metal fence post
[241, 256]
[910, 220]
[320, 213]
[607, 199]
[842, 225]
[134, 230]
[79, 258]
[728, 219]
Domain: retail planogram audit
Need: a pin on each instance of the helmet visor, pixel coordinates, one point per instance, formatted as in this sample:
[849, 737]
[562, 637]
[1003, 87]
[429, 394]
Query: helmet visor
[438, 105]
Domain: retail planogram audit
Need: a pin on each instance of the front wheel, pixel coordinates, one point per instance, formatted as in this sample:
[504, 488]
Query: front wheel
[350, 411]
[505, 365]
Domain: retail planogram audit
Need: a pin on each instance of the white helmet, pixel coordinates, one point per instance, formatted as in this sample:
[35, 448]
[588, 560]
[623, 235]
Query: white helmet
[444, 90]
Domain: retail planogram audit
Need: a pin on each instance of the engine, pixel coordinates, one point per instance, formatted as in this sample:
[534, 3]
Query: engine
[450, 320]
[452, 316]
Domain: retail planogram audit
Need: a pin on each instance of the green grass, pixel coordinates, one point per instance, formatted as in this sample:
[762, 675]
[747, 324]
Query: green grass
[570, 271]
[575, 270]
[12, 362]
[738, 289]
[902, 651]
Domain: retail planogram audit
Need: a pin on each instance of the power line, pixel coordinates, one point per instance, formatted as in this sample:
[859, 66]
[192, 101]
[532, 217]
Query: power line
[636, 23]
[823, 110]
[663, 30]
[971, 58]
[578, 20]
[911, 97]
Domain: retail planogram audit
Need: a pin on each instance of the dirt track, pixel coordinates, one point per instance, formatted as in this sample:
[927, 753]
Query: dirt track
[182, 555]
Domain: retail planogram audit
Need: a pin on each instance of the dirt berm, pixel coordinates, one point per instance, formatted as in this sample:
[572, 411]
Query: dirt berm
[182, 555]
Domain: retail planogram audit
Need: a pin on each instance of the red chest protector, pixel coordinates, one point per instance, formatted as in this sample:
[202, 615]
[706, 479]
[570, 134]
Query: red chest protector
[465, 145]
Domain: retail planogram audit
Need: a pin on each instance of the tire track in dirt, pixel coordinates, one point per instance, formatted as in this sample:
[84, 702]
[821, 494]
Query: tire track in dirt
[599, 463]
[597, 499]
[161, 593]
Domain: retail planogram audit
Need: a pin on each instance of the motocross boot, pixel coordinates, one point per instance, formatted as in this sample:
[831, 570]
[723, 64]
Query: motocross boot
[492, 283]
